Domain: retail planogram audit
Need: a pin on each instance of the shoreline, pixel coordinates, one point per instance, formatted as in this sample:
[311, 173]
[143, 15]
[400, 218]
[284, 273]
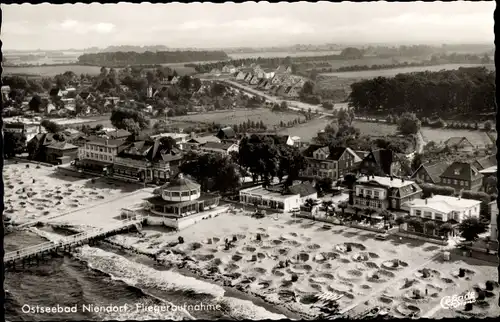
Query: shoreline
[151, 260]
[231, 291]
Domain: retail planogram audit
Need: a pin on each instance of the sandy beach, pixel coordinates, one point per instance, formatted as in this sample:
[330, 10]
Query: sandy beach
[35, 192]
[345, 261]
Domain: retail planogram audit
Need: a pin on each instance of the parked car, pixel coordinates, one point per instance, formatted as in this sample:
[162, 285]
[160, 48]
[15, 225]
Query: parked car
[381, 236]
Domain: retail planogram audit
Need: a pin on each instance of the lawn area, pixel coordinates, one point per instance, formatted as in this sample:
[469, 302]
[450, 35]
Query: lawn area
[239, 116]
[309, 130]
[475, 137]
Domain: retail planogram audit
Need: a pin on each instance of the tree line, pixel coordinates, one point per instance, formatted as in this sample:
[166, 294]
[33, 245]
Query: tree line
[121, 59]
[274, 62]
[466, 92]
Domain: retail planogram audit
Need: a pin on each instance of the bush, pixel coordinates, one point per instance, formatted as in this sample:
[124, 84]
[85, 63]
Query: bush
[408, 123]
[327, 105]
[438, 124]
[488, 126]
[429, 189]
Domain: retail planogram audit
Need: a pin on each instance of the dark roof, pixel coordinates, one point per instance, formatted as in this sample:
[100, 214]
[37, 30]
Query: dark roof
[407, 190]
[303, 189]
[84, 95]
[54, 92]
[281, 90]
[226, 133]
[434, 170]
[336, 153]
[217, 145]
[308, 152]
[150, 150]
[362, 154]
[158, 200]
[383, 158]
[179, 183]
[118, 134]
[103, 141]
[461, 171]
[454, 141]
[44, 139]
[332, 153]
[62, 145]
[486, 162]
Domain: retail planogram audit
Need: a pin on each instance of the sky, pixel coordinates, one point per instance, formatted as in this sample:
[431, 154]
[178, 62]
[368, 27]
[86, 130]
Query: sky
[206, 25]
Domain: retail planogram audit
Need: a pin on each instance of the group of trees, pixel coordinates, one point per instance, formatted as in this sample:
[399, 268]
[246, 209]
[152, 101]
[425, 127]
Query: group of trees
[122, 59]
[129, 119]
[293, 122]
[470, 228]
[249, 125]
[213, 172]
[266, 157]
[14, 143]
[467, 92]
[339, 131]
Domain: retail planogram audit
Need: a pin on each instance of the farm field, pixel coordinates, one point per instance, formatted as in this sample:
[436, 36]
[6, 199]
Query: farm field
[53, 70]
[393, 72]
[50, 71]
[239, 116]
[309, 130]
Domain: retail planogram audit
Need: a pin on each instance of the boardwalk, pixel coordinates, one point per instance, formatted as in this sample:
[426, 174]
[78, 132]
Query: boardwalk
[72, 240]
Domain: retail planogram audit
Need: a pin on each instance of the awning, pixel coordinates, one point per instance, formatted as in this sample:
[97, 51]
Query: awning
[93, 162]
[126, 168]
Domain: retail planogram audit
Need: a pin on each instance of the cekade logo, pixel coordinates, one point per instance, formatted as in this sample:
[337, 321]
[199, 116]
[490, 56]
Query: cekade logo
[456, 301]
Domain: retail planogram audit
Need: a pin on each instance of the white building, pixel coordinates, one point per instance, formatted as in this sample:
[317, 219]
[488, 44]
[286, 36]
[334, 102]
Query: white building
[100, 149]
[494, 217]
[444, 208]
[69, 103]
[219, 148]
[30, 127]
[270, 199]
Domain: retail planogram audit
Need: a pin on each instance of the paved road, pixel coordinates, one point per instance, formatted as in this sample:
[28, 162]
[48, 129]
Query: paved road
[293, 105]
[420, 142]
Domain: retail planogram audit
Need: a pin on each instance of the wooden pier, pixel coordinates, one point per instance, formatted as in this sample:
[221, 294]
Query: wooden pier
[37, 252]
